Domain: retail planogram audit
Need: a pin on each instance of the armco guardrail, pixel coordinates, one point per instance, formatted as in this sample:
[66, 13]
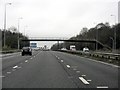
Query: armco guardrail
[9, 51]
[95, 54]
[108, 55]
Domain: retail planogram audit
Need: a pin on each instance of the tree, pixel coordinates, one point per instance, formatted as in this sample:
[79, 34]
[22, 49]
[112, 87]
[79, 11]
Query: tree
[105, 31]
[12, 38]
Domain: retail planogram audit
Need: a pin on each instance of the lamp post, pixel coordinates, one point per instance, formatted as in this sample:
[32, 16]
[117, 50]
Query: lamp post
[5, 22]
[18, 33]
[24, 29]
[96, 39]
[114, 34]
[112, 43]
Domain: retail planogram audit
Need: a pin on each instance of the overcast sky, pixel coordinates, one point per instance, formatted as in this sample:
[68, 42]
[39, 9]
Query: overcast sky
[57, 18]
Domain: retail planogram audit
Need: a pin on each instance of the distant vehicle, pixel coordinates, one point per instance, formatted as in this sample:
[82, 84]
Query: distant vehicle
[46, 49]
[35, 49]
[63, 49]
[85, 49]
[26, 50]
[72, 47]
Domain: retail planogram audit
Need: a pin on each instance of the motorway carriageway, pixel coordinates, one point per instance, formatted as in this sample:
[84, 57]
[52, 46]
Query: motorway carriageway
[52, 69]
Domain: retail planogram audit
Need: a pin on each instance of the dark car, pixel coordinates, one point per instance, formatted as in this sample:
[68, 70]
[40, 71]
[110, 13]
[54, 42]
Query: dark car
[26, 50]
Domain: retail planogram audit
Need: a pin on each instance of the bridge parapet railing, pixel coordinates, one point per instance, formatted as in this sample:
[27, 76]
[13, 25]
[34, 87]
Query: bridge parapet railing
[62, 38]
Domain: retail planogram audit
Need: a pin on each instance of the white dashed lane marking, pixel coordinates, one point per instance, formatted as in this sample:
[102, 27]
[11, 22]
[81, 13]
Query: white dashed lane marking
[83, 75]
[84, 81]
[89, 80]
[61, 60]
[102, 86]
[77, 71]
[26, 61]
[15, 67]
[68, 66]
[2, 76]
[8, 72]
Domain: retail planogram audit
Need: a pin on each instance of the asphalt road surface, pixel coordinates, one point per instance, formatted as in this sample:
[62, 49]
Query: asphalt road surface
[51, 69]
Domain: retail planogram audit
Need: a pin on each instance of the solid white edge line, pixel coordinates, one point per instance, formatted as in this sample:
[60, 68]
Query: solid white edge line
[84, 81]
[103, 62]
[102, 86]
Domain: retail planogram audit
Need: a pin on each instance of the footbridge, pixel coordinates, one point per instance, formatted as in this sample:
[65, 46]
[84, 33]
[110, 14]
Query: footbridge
[64, 39]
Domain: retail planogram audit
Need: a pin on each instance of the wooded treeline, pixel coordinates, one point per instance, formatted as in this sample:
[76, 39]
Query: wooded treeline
[11, 39]
[103, 32]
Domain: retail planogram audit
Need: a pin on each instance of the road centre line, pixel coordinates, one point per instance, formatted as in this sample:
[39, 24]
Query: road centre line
[84, 81]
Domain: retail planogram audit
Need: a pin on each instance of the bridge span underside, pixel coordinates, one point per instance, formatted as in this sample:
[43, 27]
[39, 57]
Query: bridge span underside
[90, 41]
[94, 41]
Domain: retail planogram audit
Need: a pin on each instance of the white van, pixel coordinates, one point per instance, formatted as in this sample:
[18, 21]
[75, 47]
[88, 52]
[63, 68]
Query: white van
[72, 47]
